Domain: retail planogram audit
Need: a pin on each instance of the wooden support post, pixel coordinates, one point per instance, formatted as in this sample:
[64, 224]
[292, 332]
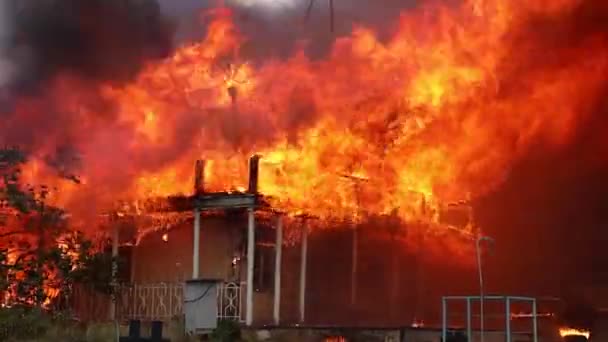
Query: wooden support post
[303, 260]
[277, 271]
[250, 265]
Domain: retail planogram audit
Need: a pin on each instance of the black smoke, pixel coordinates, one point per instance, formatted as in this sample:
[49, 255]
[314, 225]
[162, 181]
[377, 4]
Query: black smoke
[96, 40]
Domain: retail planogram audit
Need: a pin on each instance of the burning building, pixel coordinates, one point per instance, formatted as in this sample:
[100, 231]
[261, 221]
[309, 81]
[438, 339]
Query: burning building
[392, 132]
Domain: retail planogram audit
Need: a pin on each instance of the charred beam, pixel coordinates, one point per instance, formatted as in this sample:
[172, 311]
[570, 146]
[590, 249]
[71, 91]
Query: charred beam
[254, 168]
[199, 177]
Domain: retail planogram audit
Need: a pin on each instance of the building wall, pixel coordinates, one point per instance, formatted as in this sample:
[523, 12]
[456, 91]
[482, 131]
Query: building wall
[389, 290]
[155, 260]
[222, 239]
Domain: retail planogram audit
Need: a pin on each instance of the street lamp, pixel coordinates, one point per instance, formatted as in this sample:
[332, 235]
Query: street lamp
[491, 242]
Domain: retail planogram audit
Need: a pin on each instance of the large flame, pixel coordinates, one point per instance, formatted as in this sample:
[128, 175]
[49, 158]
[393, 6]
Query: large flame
[436, 114]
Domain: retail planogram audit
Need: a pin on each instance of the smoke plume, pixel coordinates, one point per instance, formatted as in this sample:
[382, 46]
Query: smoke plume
[97, 40]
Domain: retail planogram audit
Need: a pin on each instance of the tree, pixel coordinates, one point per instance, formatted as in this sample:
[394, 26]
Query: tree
[40, 257]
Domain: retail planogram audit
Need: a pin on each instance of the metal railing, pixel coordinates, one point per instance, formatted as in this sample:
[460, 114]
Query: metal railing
[507, 317]
[162, 301]
[230, 301]
[148, 302]
[165, 301]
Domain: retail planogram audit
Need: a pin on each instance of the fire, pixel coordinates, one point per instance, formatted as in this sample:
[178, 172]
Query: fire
[564, 332]
[433, 115]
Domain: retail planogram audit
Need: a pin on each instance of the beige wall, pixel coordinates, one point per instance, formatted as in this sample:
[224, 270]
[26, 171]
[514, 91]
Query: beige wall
[155, 260]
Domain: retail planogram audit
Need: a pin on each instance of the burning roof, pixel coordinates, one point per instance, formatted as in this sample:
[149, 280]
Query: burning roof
[435, 114]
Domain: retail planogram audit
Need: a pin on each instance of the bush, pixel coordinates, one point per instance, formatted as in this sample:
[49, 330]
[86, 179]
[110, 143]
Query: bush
[21, 323]
[226, 331]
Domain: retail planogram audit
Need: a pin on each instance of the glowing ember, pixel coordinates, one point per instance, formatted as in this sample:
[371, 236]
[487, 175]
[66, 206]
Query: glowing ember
[564, 332]
[418, 324]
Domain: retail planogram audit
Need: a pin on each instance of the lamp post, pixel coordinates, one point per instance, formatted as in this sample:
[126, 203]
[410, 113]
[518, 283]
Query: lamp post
[479, 268]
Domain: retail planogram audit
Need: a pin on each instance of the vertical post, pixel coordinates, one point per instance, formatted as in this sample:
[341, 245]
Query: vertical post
[481, 290]
[115, 237]
[395, 275]
[199, 187]
[250, 264]
[331, 16]
[199, 177]
[303, 261]
[353, 276]
[444, 319]
[508, 318]
[469, 327]
[277, 271]
[196, 243]
[254, 167]
[355, 248]
[481, 318]
[534, 320]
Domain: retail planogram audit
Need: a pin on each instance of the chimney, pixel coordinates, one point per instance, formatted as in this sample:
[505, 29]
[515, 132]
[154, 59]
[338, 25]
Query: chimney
[254, 163]
[199, 177]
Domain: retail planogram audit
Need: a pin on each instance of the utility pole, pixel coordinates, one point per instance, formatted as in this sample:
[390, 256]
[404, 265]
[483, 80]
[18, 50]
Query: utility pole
[423, 226]
[355, 251]
[480, 239]
[357, 180]
[311, 4]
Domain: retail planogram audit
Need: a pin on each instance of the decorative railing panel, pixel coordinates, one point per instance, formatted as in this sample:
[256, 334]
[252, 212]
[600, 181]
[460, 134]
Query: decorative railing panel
[161, 301]
[230, 301]
[164, 301]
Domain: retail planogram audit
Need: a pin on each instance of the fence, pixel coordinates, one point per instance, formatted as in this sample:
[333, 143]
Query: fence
[148, 302]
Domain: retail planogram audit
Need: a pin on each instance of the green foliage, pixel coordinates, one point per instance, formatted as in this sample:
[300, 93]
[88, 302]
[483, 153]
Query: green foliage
[21, 323]
[226, 331]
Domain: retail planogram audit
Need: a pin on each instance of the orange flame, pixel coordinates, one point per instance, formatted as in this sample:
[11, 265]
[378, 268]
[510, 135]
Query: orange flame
[564, 332]
[436, 114]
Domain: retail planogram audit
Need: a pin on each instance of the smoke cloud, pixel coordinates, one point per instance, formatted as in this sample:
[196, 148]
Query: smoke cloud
[278, 27]
[98, 40]
[6, 31]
